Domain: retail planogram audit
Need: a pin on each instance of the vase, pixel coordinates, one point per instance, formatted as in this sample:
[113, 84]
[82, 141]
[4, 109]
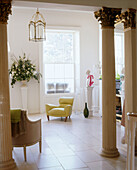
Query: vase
[86, 112]
[23, 83]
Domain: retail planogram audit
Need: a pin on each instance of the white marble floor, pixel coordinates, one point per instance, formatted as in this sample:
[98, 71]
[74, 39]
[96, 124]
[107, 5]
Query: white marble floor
[73, 145]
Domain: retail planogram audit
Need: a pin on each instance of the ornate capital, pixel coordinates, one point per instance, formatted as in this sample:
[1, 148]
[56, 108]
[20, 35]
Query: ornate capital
[5, 10]
[129, 18]
[107, 16]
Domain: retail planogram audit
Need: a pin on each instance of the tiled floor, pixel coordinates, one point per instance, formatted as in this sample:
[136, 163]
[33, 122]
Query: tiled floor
[73, 145]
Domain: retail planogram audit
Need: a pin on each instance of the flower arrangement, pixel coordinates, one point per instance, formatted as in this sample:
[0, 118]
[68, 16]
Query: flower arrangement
[23, 70]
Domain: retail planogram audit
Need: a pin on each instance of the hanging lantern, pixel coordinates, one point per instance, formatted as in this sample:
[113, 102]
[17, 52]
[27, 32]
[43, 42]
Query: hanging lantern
[37, 28]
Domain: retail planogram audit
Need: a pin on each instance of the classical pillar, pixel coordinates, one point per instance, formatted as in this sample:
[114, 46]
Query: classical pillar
[6, 161]
[107, 17]
[129, 18]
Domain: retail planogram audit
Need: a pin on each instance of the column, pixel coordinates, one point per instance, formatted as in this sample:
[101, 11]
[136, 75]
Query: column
[129, 18]
[107, 17]
[6, 161]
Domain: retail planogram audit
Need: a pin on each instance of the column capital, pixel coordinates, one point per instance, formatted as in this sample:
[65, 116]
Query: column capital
[5, 10]
[129, 18]
[107, 16]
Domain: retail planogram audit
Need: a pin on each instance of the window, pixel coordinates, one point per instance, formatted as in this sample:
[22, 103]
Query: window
[59, 61]
[119, 52]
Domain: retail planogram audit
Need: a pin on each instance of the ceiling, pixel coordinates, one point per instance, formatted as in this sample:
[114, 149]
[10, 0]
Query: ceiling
[53, 6]
[85, 5]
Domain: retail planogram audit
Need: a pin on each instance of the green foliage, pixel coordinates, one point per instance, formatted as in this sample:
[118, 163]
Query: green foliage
[22, 69]
[100, 77]
[117, 77]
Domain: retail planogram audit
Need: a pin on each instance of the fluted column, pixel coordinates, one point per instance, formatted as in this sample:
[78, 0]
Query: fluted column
[107, 17]
[6, 161]
[129, 19]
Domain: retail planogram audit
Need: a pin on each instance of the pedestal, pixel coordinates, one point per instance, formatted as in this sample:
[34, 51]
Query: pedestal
[122, 93]
[24, 96]
[100, 97]
[89, 100]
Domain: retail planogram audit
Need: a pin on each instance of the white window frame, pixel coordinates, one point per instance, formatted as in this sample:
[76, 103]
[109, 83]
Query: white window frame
[77, 68]
[116, 31]
[74, 54]
[121, 34]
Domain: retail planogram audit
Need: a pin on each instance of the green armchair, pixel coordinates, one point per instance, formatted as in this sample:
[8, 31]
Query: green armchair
[63, 110]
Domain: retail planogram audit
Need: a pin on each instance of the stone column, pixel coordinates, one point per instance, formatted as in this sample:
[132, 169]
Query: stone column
[6, 161]
[107, 16]
[129, 18]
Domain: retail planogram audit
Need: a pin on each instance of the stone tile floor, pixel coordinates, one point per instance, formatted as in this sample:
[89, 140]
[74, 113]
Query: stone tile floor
[72, 145]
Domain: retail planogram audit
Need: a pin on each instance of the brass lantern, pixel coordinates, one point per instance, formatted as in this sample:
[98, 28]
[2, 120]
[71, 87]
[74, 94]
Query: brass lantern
[37, 28]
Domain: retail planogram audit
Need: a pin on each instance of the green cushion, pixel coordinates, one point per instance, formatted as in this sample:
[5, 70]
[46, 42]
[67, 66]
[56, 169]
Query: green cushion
[15, 115]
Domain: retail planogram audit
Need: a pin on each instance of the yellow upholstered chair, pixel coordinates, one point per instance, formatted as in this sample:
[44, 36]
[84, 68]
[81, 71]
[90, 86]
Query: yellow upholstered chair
[63, 110]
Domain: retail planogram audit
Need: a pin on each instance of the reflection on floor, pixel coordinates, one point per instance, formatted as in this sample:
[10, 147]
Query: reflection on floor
[74, 144]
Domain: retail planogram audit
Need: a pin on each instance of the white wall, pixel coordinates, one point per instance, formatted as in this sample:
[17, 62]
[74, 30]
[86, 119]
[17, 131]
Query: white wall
[18, 40]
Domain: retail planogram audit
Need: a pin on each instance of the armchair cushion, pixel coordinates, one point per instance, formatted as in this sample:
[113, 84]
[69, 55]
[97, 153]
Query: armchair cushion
[57, 112]
[50, 106]
[18, 122]
[15, 115]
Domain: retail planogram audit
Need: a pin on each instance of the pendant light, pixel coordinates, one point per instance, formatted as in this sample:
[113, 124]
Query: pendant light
[37, 28]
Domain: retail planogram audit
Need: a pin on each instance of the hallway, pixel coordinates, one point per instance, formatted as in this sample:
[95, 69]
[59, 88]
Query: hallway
[75, 144]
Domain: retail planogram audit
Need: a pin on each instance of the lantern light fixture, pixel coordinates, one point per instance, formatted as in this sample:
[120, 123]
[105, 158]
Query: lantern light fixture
[37, 28]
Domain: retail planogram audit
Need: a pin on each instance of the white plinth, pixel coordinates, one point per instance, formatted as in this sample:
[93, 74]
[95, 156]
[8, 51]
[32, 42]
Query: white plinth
[89, 100]
[122, 93]
[100, 97]
[24, 96]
